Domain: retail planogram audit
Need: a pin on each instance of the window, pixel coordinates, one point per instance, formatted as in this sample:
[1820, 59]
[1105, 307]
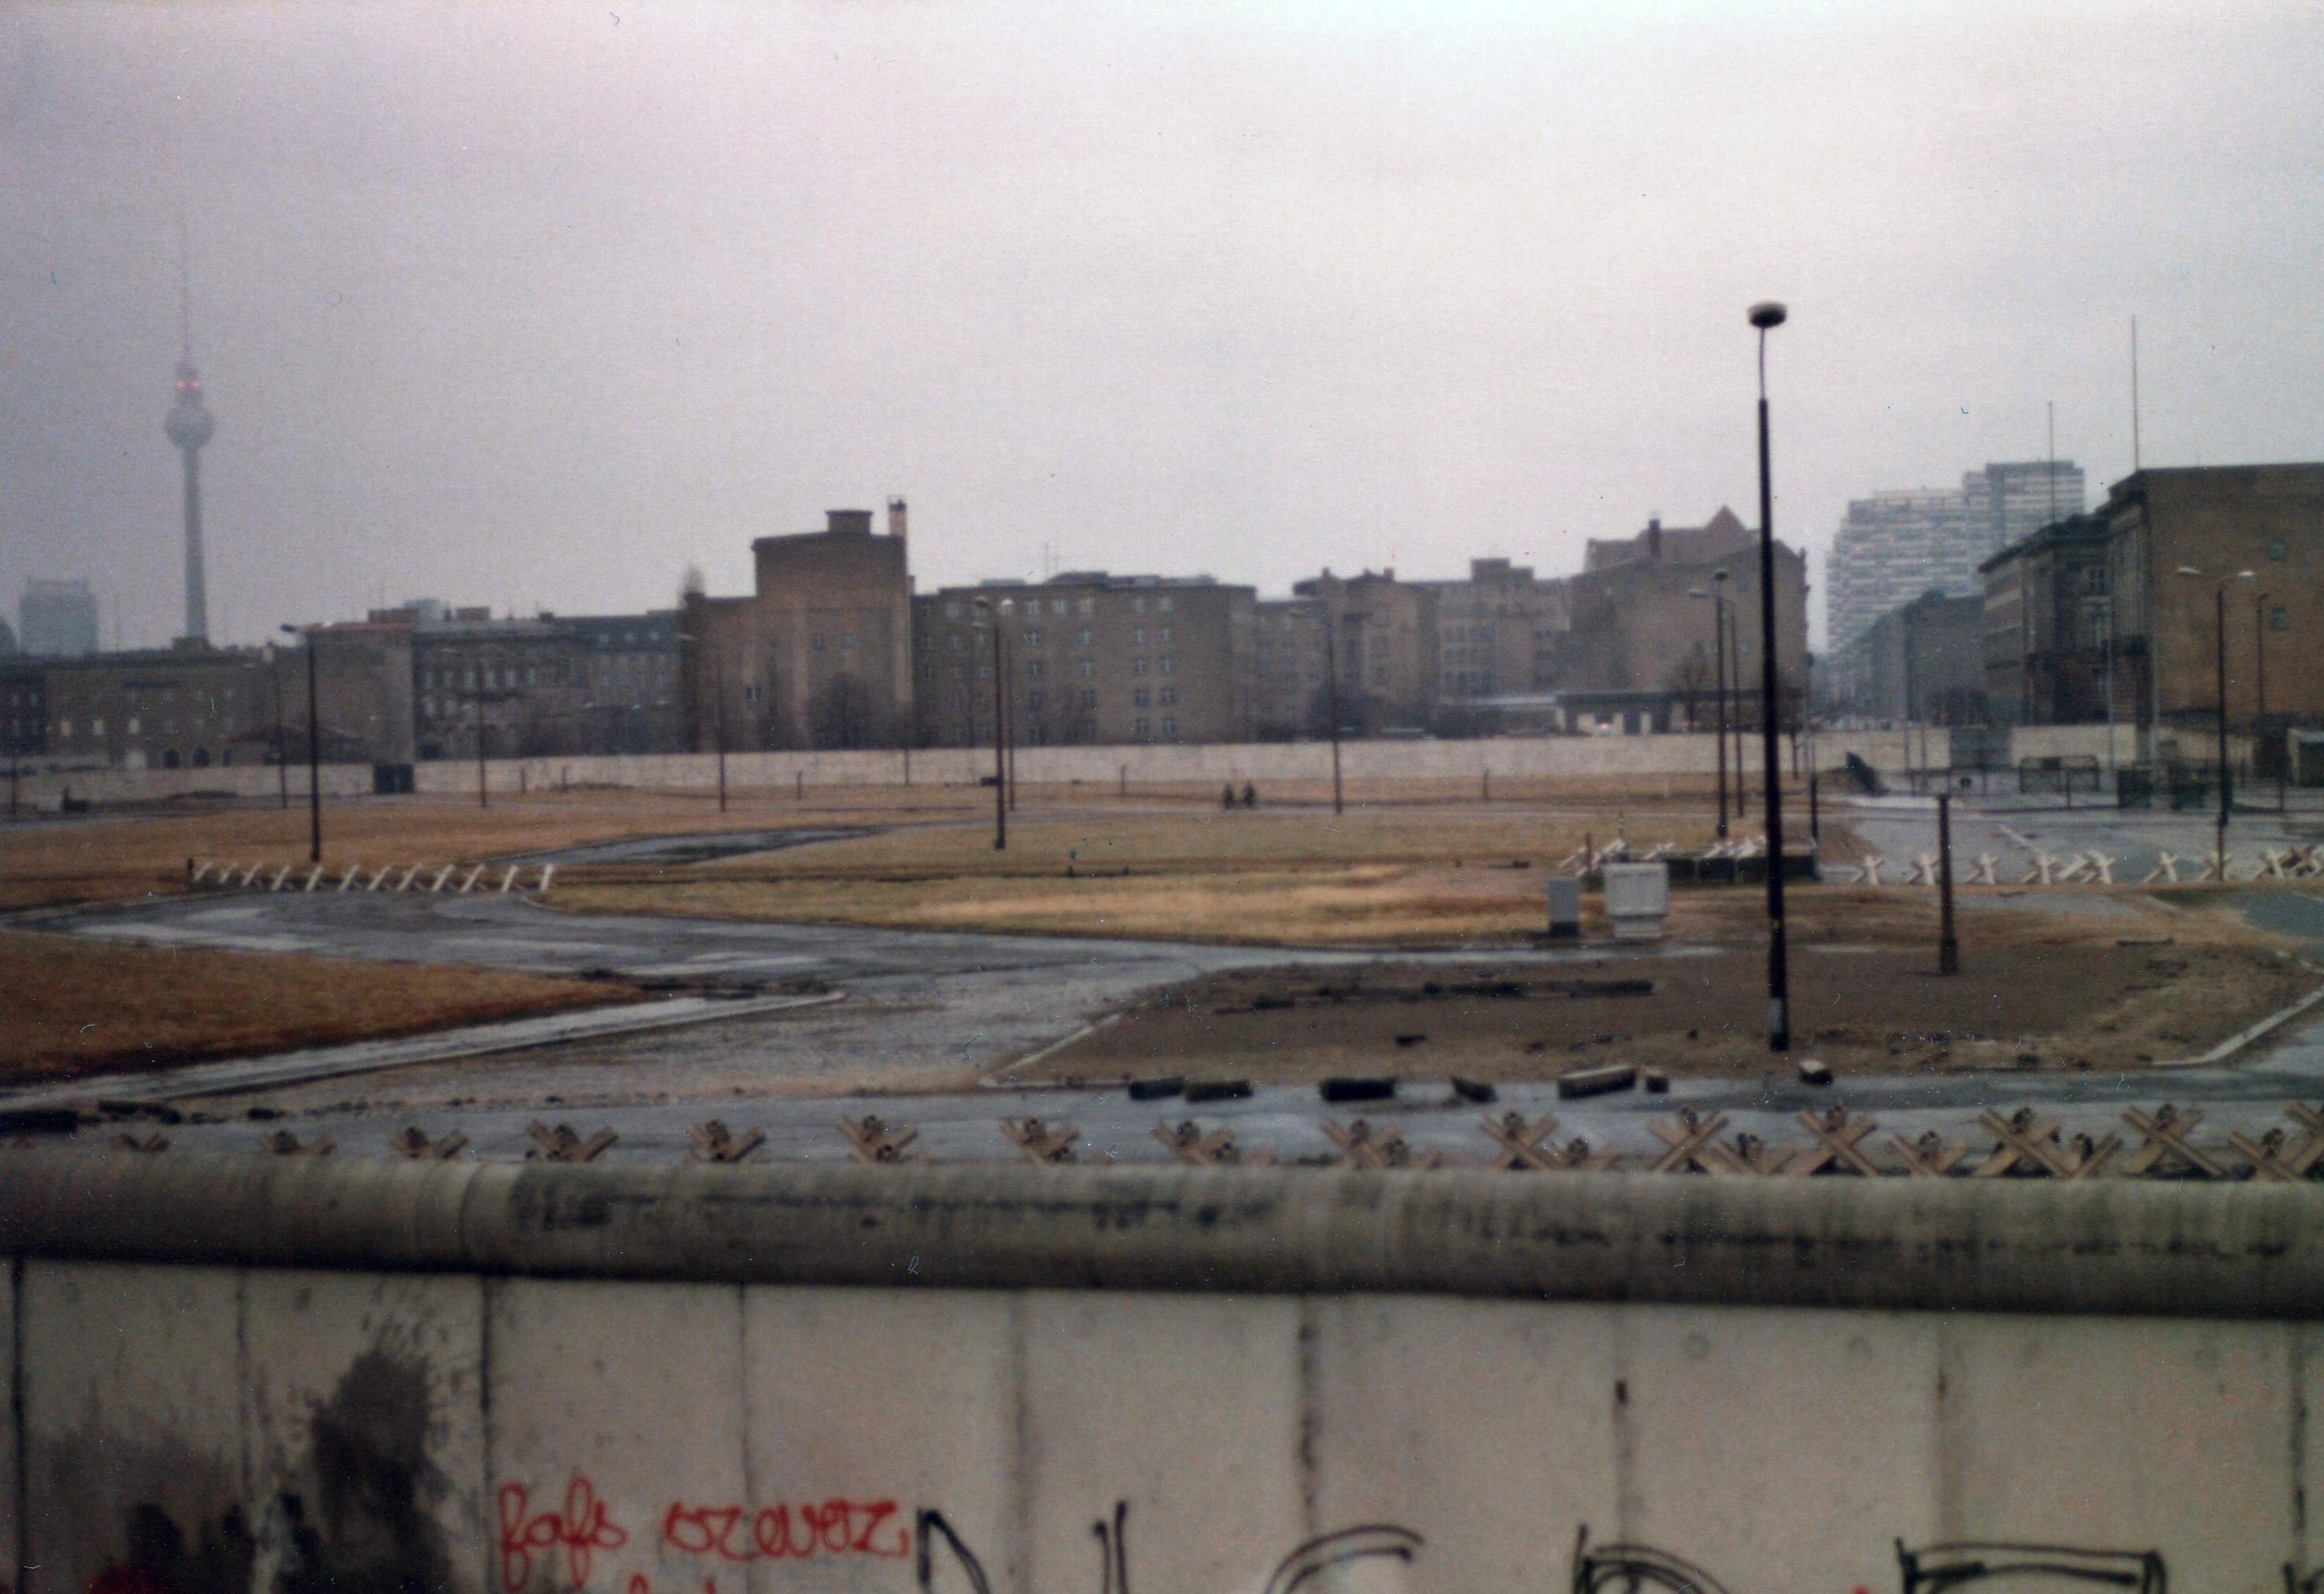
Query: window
[133, 718]
[2279, 618]
[1032, 639]
[1168, 664]
[955, 642]
[97, 727]
[1170, 722]
[1138, 636]
[1033, 701]
[1036, 668]
[1085, 607]
[1139, 698]
[952, 609]
[847, 641]
[1137, 606]
[1089, 699]
[2276, 550]
[1142, 728]
[1138, 666]
[983, 672]
[1169, 696]
[1081, 638]
[818, 642]
[64, 727]
[1085, 668]
[1164, 637]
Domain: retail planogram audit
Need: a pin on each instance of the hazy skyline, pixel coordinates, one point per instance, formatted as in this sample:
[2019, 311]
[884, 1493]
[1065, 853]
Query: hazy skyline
[539, 307]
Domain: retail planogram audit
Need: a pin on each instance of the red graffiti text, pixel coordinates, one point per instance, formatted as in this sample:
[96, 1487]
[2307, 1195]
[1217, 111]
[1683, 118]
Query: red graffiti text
[581, 1529]
[834, 1527]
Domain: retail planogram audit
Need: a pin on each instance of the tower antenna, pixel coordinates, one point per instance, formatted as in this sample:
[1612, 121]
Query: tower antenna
[185, 293]
[2133, 395]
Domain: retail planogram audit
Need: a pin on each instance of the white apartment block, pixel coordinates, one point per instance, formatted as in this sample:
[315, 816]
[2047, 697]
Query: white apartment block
[1895, 546]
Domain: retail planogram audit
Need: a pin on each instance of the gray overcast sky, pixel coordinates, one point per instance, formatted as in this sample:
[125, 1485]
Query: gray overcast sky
[539, 305]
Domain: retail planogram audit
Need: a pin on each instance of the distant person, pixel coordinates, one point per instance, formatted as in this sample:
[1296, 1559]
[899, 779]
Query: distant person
[1226, 796]
[1250, 795]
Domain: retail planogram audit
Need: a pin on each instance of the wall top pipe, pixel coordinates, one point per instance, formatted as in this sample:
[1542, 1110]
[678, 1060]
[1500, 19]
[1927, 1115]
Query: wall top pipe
[2117, 1248]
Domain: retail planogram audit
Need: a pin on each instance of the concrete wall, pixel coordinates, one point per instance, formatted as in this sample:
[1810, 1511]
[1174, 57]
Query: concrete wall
[973, 1381]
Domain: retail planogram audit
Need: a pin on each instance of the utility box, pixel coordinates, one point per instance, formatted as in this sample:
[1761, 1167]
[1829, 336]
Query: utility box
[1637, 899]
[1564, 907]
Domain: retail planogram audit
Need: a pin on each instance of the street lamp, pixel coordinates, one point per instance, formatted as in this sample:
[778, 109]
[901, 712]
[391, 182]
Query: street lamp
[314, 755]
[2226, 794]
[1719, 674]
[1766, 315]
[2259, 676]
[987, 613]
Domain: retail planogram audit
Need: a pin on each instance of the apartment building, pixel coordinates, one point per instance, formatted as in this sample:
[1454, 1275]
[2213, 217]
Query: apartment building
[1086, 656]
[1895, 546]
[1385, 658]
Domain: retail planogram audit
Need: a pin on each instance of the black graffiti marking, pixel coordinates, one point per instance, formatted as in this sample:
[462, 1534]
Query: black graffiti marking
[930, 1524]
[1337, 1549]
[1632, 1565]
[1936, 1569]
[1113, 1550]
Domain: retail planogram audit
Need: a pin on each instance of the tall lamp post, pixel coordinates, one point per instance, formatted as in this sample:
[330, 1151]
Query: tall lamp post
[1766, 316]
[2259, 677]
[1332, 698]
[2226, 798]
[1719, 674]
[991, 614]
[314, 755]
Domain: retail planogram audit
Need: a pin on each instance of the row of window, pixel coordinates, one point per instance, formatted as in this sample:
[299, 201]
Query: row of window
[134, 726]
[1031, 608]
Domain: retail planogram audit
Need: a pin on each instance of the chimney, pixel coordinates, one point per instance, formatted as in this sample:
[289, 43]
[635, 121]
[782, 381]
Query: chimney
[855, 522]
[1654, 537]
[896, 517]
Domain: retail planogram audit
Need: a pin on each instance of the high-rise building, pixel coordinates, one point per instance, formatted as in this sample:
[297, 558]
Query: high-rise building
[56, 619]
[1895, 545]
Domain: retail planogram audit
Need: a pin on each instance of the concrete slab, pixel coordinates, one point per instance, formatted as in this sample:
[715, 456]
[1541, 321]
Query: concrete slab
[615, 1443]
[2119, 1434]
[1189, 1418]
[1778, 1448]
[362, 1402]
[866, 1406]
[1489, 1452]
[133, 1421]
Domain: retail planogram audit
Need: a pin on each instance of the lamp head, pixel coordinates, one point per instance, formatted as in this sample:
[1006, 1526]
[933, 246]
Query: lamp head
[1696, 592]
[2189, 570]
[1767, 313]
[2243, 576]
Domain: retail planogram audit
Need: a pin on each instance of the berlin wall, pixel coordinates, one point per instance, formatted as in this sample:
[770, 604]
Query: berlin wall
[285, 1375]
[1685, 758]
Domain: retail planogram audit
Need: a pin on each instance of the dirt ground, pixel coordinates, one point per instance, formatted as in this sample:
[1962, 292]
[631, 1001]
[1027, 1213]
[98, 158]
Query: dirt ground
[2042, 993]
[72, 1008]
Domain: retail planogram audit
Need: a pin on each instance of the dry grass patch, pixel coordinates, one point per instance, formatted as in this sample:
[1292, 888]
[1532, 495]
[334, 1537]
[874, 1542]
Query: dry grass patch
[72, 1008]
[1369, 879]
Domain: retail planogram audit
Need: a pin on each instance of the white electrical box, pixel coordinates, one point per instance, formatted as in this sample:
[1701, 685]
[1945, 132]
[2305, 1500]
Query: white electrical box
[1637, 899]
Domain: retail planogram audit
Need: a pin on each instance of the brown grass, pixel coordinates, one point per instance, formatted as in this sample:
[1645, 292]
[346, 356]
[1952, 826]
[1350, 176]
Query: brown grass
[1257, 878]
[70, 1007]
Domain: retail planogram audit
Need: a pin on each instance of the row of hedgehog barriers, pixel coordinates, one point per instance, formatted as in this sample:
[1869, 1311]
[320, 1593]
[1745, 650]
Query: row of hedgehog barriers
[2026, 1144]
[219, 874]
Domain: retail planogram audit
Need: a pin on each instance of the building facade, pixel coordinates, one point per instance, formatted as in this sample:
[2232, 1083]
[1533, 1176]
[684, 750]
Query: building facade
[164, 708]
[1382, 655]
[2046, 616]
[1895, 546]
[1924, 663]
[821, 653]
[1086, 656]
[2219, 522]
[1494, 637]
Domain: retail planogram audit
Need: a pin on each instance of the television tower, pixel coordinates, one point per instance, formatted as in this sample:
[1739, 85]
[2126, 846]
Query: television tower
[189, 427]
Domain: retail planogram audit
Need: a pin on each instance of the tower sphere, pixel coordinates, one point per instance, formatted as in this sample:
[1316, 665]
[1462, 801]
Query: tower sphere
[189, 425]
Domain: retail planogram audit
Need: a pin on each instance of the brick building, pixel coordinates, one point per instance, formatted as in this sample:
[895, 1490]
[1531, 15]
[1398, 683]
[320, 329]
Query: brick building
[2267, 518]
[2044, 625]
[1386, 657]
[819, 654]
[1924, 663]
[1287, 684]
[1087, 657]
[1494, 632]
